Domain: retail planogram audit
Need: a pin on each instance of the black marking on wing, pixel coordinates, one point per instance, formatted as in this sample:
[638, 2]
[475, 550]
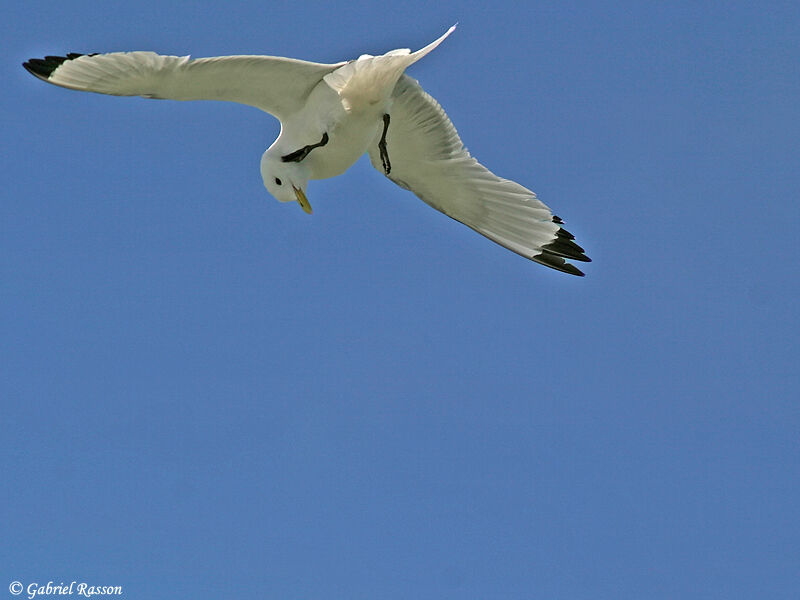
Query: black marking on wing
[563, 247]
[553, 255]
[44, 67]
[557, 263]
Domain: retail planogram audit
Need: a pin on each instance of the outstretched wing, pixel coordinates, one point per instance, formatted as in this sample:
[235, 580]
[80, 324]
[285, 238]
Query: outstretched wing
[276, 85]
[426, 156]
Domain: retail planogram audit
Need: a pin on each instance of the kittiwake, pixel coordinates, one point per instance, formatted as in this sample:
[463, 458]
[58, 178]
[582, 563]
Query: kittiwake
[330, 115]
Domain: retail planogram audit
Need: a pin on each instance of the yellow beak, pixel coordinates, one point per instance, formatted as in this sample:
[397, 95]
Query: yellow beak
[302, 200]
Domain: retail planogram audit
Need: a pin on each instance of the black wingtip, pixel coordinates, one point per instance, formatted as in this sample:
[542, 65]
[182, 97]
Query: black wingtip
[557, 263]
[43, 67]
[564, 246]
[555, 253]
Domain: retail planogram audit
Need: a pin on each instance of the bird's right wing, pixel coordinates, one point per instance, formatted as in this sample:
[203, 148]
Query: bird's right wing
[276, 85]
[424, 154]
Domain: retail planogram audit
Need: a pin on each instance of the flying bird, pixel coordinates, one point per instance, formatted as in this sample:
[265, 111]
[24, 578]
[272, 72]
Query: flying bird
[330, 115]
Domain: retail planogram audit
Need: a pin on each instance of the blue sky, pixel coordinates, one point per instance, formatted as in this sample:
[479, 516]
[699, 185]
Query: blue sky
[208, 394]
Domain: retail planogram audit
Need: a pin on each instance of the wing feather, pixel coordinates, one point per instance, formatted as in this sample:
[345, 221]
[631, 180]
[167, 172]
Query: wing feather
[276, 85]
[428, 158]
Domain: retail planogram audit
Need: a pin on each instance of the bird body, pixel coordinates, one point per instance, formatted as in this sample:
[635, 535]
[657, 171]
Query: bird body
[347, 108]
[349, 132]
[332, 114]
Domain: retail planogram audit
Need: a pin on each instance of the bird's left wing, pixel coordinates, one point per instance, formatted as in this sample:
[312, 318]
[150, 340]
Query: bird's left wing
[274, 84]
[424, 154]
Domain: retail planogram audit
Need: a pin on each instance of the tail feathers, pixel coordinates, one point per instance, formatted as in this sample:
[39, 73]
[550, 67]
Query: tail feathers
[370, 80]
[415, 56]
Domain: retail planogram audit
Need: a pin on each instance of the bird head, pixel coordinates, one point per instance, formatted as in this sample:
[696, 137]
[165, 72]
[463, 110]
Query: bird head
[286, 181]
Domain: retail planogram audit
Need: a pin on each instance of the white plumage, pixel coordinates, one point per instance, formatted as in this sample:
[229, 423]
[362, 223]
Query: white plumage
[330, 115]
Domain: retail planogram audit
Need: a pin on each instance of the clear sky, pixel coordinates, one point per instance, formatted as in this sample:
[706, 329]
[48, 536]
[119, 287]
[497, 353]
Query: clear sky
[208, 394]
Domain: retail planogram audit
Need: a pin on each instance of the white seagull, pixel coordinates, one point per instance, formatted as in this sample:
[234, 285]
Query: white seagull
[330, 115]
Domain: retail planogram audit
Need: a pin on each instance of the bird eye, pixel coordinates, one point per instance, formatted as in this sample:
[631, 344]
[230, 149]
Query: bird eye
[278, 181]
